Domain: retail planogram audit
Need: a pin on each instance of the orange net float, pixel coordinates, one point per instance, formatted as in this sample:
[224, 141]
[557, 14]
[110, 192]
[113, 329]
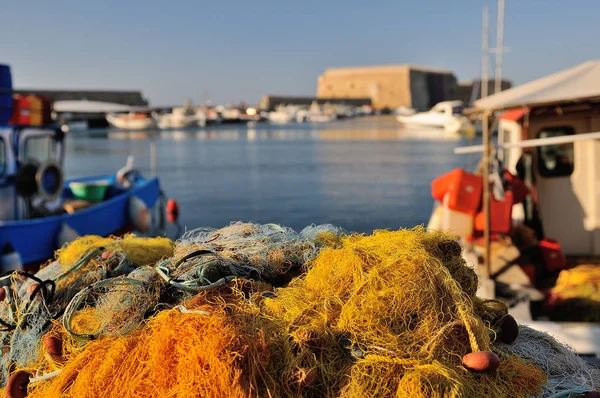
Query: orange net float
[172, 211]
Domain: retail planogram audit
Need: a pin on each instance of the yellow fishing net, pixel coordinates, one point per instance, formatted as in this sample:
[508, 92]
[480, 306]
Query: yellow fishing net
[140, 251]
[386, 315]
[576, 296]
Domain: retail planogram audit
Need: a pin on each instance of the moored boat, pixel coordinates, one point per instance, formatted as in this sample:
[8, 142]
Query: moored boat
[39, 212]
[131, 121]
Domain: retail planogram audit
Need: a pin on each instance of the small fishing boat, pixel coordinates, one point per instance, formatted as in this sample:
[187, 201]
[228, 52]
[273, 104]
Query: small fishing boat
[131, 121]
[180, 117]
[39, 213]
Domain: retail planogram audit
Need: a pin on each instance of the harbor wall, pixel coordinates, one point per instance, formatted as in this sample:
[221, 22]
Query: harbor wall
[390, 86]
[133, 98]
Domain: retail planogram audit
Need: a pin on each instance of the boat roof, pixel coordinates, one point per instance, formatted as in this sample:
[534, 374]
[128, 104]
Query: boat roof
[578, 83]
[85, 106]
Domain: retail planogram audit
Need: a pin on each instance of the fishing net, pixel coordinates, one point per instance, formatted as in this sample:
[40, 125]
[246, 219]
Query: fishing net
[392, 314]
[576, 296]
[207, 258]
[33, 301]
[183, 354]
[566, 370]
[112, 307]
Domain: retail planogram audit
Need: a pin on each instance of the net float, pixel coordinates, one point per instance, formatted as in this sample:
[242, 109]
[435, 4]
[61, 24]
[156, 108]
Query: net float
[106, 255]
[54, 346]
[3, 293]
[16, 387]
[172, 211]
[481, 361]
[592, 394]
[31, 288]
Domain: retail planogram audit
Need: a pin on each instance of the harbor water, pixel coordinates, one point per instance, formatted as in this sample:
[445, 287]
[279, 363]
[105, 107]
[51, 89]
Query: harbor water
[360, 174]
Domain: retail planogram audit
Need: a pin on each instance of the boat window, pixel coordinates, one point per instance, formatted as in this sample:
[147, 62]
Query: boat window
[2, 157]
[41, 148]
[556, 160]
[457, 110]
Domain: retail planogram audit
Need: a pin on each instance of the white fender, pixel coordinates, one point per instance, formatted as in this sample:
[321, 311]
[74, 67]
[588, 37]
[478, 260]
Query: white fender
[66, 235]
[139, 214]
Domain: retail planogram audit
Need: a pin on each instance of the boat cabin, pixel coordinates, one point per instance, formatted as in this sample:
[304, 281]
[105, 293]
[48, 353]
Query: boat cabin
[31, 179]
[561, 112]
[448, 108]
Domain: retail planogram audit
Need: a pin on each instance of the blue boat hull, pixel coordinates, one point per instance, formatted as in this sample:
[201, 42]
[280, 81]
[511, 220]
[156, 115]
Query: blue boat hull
[36, 240]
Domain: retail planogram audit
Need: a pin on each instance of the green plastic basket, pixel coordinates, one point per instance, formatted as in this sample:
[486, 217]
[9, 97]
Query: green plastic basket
[91, 190]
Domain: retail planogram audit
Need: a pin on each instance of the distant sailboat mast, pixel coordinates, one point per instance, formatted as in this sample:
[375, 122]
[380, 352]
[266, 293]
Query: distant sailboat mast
[484, 55]
[499, 47]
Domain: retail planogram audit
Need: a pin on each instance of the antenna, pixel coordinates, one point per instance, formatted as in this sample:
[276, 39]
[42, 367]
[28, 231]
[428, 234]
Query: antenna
[484, 55]
[499, 47]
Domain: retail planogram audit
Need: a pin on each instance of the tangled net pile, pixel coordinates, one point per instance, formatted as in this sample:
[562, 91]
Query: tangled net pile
[576, 296]
[262, 311]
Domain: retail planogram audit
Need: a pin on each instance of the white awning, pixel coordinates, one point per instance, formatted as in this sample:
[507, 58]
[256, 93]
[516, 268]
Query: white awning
[578, 83]
[84, 106]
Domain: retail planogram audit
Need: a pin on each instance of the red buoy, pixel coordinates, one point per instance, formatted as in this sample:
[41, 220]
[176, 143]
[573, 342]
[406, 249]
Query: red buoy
[17, 384]
[54, 346]
[592, 394]
[481, 361]
[31, 288]
[172, 211]
[3, 293]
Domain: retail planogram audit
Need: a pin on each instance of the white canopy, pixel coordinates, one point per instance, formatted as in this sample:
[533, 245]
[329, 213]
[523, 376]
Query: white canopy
[84, 106]
[573, 84]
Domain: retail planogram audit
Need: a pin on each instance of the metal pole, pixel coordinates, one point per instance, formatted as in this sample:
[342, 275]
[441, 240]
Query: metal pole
[484, 55]
[153, 153]
[486, 192]
[499, 47]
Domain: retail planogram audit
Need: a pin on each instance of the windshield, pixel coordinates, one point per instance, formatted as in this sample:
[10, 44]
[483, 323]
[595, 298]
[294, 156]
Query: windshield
[41, 148]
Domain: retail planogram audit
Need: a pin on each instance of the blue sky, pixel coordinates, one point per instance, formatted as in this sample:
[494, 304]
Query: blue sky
[240, 50]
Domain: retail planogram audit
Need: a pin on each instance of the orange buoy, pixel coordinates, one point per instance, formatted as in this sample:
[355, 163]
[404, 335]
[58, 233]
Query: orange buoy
[17, 384]
[509, 329]
[54, 346]
[481, 361]
[172, 211]
[31, 288]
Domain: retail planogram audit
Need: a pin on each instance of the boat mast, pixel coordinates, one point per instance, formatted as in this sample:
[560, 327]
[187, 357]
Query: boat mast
[499, 47]
[484, 55]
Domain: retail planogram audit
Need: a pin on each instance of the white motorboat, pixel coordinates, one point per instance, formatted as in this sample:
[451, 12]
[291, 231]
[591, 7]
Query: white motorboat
[438, 116]
[404, 111]
[446, 115]
[281, 117]
[179, 117]
[131, 121]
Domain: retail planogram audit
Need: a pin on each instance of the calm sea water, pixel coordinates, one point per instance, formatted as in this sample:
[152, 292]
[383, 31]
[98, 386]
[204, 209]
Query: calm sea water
[360, 174]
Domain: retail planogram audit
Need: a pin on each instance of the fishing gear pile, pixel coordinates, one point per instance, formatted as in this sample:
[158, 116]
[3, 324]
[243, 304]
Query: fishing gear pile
[576, 296]
[255, 310]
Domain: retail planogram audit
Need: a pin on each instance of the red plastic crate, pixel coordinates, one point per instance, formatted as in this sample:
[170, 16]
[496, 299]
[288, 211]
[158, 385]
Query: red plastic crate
[554, 258]
[464, 190]
[21, 110]
[500, 215]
